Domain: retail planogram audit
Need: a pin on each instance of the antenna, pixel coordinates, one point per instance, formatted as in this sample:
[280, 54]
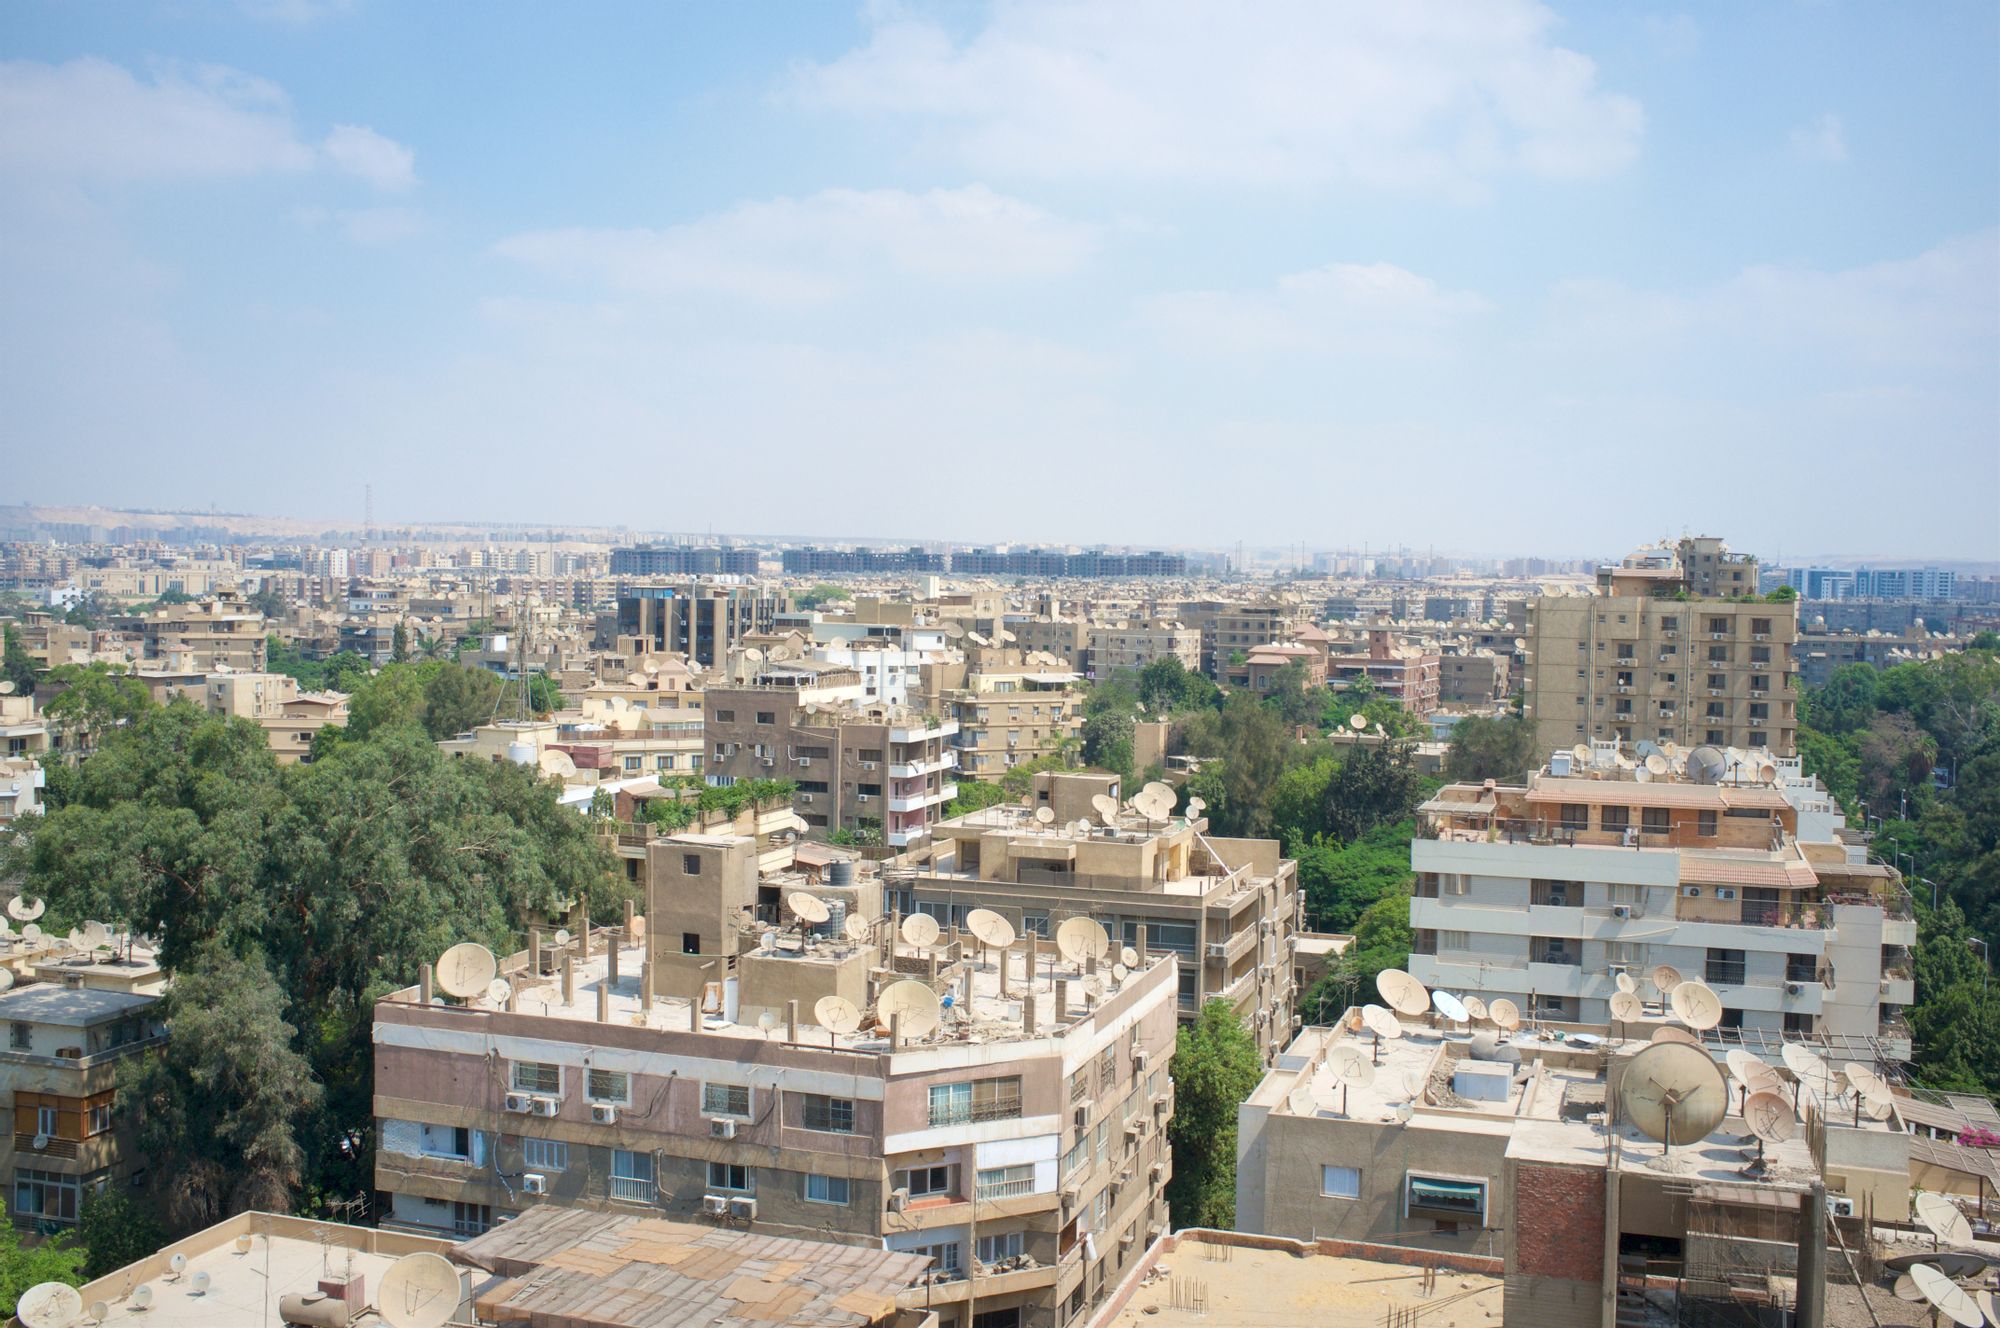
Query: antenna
[466, 970]
[1673, 1092]
[418, 1291]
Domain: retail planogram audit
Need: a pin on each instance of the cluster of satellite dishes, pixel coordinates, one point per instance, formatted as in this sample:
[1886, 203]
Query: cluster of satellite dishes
[1937, 1277]
[1407, 996]
[1699, 765]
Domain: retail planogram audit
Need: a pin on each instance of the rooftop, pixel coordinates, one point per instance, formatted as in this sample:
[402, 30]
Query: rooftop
[614, 1270]
[68, 1007]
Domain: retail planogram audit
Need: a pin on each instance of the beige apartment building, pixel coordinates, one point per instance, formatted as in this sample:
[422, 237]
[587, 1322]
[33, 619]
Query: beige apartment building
[1008, 706]
[1229, 908]
[1231, 628]
[1129, 645]
[221, 632]
[1020, 1145]
[857, 765]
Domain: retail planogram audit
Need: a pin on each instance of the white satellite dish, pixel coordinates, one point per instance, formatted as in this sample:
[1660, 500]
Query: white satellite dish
[177, 1263]
[915, 1002]
[1106, 808]
[1696, 1005]
[1947, 1296]
[1128, 957]
[920, 930]
[1673, 1092]
[1475, 1008]
[1506, 1015]
[1119, 972]
[32, 933]
[418, 1291]
[1078, 939]
[809, 909]
[1625, 983]
[97, 1313]
[1449, 1006]
[989, 928]
[142, 1296]
[562, 936]
[498, 990]
[49, 1305]
[1382, 1022]
[1806, 1064]
[1300, 1100]
[1769, 1116]
[1657, 765]
[1861, 1078]
[466, 969]
[1402, 992]
[1665, 978]
[6, 979]
[1196, 806]
[1941, 1217]
[1045, 815]
[202, 1282]
[856, 927]
[1753, 1073]
[96, 935]
[1675, 1033]
[836, 1014]
[1625, 1007]
[22, 909]
[555, 764]
[767, 1020]
[1878, 1106]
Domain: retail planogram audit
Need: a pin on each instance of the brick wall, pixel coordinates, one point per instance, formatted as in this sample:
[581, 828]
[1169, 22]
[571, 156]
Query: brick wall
[1559, 1222]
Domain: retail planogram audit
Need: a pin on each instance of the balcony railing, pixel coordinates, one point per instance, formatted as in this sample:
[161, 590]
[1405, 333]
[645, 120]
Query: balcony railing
[966, 1113]
[1006, 1189]
[1723, 973]
[631, 1189]
[1767, 913]
[1554, 955]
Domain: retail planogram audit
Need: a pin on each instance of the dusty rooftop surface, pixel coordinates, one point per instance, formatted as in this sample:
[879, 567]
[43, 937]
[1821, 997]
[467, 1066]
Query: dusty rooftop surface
[1252, 1287]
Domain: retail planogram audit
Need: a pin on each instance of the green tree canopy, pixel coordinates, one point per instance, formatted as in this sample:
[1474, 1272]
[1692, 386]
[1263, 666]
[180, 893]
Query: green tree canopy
[1486, 748]
[21, 1266]
[16, 664]
[1214, 1069]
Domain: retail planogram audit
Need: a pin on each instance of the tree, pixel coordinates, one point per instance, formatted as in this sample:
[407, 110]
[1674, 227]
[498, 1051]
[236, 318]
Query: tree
[16, 664]
[1250, 748]
[56, 1259]
[544, 694]
[1167, 687]
[458, 698]
[1291, 698]
[95, 699]
[1370, 787]
[115, 1231]
[1503, 749]
[1215, 1067]
[399, 645]
[1382, 940]
[224, 1095]
[974, 795]
[269, 603]
[823, 594]
[1107, 741]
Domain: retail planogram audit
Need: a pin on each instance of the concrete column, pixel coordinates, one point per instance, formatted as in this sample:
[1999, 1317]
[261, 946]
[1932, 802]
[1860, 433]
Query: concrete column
[584, 931]
[426, 985]
[603, 1002]
[611, 954]
[1006, 962]
[1811, 1310]
[694, 1014]
[513, 997]
[1139, 943]
[569, 979]
[896, 1031]
[1062, 1001]
[1028, 1010]
[631, 911]
[645, 987]
[791, 1021]
[535, 951]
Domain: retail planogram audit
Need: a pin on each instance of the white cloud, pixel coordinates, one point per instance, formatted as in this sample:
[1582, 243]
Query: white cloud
[1406, 93]
[1372, 308]
[367, 155]
[1825, 139]
[812, 249]
[94, 121]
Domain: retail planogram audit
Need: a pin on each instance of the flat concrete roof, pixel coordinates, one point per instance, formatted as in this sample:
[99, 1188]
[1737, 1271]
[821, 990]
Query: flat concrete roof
[68, 1007]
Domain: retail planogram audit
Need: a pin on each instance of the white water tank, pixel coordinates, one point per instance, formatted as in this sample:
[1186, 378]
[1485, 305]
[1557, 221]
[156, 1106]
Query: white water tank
[521, 753]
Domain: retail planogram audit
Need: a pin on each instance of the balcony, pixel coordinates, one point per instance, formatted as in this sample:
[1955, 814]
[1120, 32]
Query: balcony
[1723, 973]
[918, 769]
[918, 801]
[631, 1189]
[968, 1113]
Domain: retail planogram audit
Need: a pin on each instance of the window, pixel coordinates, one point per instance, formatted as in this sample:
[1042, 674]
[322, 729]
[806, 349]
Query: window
[690, 864]
[1006, 1182]
[609, 1086]
[1615, 820]
[979, 1100]
[835, 1115]
[767, 717]
[537, 1077]
[1705, 824]
[1575, 816]
[1454, 940]
[945, 1256]
[691, 942]
[827, 1189]
[921, 1181]
[45, 1121]
[725, 716]
[1724, 968]
[631, 1176]
[995, 1249]
[22, 1037]
[544, 1155]
[1340, 1182]
[726, 1176]
[100, 1118]
[452, 1141]
[1443, 1199]
[45, 1196]
[633, 764]
[1656, 820]
[725, 1099]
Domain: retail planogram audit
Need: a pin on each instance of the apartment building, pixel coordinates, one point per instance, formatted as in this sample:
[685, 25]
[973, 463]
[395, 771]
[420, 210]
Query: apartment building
[1818, 654]
[1009, 706]
[1518, 1147]
[1129, 645]
[290, 718]
[858, 765]
[1477, 678]
[1228, 908]
[1633, 665]
[699, 619]
[1410, 674]
[59, 1070]
[1020, 1146]
[1734, 873]
[684, 560]
[1231, 628]
[221, 632]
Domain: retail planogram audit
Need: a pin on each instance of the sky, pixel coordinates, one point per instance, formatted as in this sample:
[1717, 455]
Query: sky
[1492, 277]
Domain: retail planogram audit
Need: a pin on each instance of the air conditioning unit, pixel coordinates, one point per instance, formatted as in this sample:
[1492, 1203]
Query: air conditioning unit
[1070, 1197]
[519, 1103]
[1128, 1236]
[805, 760]
[1839, 1205]
[1156, 1171]
[1133, 1129]
[1760, 636]
[534, 1183]
[743, 1210]
[1725, 892]
[1139, 1061]
[721, 1127]
[898, 1200]
[805, 797]
[1718, 636]
[715, 1205]
[1083, 1116]
[547, 1106]
[1794, 989]
[1218, 949]
[1691, 891]
[866, 797]
[604, 1113]
[1621, 910]
[868, 765]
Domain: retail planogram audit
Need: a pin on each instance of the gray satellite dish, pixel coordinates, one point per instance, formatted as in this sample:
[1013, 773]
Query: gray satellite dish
[418, 1291]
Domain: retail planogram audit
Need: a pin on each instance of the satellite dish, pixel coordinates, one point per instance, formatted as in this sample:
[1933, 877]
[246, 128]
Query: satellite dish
[915, 1002]
[767, 1020]
[465, 970]
[142, 1296]
[177, 1263]
[1118, 971]
[753, 654]
[556, 764]
[808, 908]
[856, 927]
[1626, 985]
[1475, 1008]
[6, 687]
[96, 935]
[49, 1305]
[1696, 1005]
[1403, 993]
[562, 936]
[1625, 1007]
[1196, 806]
[1861, 1078]
[1673, 1092]
[1806, 1064]
[202, 1282]
[498, 990]
[1128, 957]
[1665, 978]
[989, 928]
[1675, 1033]
[952, 631]
[1082, 938]
[1356, 722]
[1506, 1015]
[1657, 765]
[1705, 765]
[1990, 1307]
[418, 1291]
[1581, 752]
[1449, 1006]
[1300, 1100]
[98, 1312]
[1878, 1106]
[75, 938]
[1753, 1073]
[1947, 1296]
[836, 1014]
[32, 934]
[23, 909]
[1382, 1022]
[1642, 775]
[1906, 1289]
[1942, 1218]
[1769, 1116]
[1350, 1067]
[6, 979]
[650, 667]
[1045, 815]
[1106, 808]
[920, 930]
[1159, 788]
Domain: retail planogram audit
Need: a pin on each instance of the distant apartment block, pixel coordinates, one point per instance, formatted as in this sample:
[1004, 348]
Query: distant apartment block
[700, 620]
[684, 560]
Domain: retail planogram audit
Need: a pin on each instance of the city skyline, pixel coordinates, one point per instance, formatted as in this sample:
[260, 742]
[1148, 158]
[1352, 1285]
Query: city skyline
[1525, 267]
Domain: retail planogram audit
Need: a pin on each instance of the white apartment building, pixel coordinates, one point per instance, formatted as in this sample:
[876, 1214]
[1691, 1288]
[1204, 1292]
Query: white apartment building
[1736, 874]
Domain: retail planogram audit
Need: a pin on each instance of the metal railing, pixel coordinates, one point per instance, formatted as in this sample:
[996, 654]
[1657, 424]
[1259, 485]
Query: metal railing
[632, 1189]
[1726, 973]
[966, 1113]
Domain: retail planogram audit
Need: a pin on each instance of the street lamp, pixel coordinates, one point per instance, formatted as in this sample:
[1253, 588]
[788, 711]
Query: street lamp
[1986, 977]
[1933, 886]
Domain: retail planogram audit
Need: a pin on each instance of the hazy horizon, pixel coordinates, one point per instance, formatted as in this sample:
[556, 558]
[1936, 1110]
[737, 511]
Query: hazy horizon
[1154, 274]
